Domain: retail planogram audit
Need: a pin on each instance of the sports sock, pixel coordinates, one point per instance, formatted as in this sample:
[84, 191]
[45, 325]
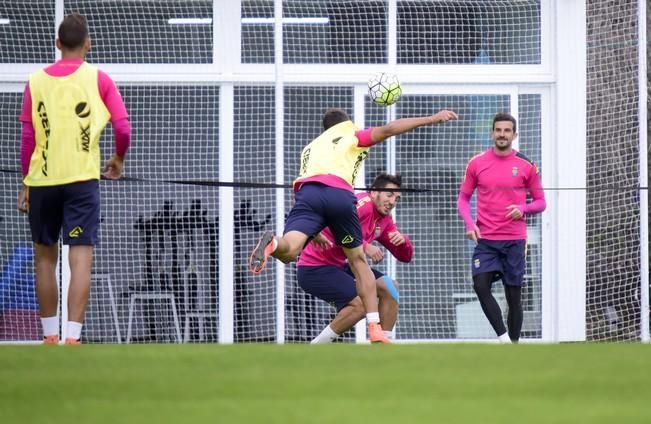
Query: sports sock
[50, 326]
[504, 338]
[389, 334]
[326, 336]
[373, 317]
[74, 330]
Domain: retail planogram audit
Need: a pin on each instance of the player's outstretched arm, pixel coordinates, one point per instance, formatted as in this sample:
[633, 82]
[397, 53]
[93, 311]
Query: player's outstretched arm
[403, 125]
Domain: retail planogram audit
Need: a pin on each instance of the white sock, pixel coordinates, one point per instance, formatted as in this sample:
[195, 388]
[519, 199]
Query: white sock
[373, 317]
[74, 330]
[327, 336]
[389, 334]
[50, 326]
[504, 338]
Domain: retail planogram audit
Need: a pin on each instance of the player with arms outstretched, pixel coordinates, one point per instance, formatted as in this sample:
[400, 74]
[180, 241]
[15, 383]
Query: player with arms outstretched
[325, 198]
[65, 108]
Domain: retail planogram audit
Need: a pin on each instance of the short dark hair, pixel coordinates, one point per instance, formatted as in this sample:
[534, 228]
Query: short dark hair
[334, 116]
[73, 31]
[384, 179]
[503, 116]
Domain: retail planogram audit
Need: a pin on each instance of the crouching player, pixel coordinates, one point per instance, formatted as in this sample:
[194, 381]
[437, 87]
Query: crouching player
[323, 272]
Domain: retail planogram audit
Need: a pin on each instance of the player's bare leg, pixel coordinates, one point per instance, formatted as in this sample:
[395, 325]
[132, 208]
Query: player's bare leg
[367, 291]
[285, 249]
[81, 262]
[47, 290]
[346, 318]
[388, 305]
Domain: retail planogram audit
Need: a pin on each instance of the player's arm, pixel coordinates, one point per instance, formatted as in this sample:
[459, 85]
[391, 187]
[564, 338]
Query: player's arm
[27, 146]
[397, 243]
[403, 125]
[121, 126]
[538, 202]
[463, 204]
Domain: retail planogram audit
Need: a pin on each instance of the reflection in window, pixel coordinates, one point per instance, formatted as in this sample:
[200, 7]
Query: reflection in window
[469, 31]
[148, 31]
[26, 34]
[316, 32]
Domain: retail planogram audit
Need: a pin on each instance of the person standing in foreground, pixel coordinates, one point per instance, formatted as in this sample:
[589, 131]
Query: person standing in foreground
[65, 108]
[325, 274]
[502, 177]
[325, 198]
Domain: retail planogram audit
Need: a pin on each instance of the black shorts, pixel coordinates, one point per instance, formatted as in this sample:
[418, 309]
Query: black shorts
[71, 209]
[318, 206]
[331, 283]
[504, 258]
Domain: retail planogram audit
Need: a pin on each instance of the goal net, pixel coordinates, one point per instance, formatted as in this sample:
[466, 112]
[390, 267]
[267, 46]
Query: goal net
[156, 274]
[613, 295]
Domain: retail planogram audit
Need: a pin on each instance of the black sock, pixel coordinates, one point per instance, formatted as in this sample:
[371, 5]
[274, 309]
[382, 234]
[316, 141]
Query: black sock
[514, 318]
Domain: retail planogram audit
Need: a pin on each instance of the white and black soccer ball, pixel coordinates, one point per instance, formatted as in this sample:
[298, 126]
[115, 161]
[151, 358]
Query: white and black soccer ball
[384, 89]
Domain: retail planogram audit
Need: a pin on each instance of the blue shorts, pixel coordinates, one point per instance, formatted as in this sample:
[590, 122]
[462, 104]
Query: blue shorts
[318, 206]
[70, 209]
[331, 283]
[504, 258]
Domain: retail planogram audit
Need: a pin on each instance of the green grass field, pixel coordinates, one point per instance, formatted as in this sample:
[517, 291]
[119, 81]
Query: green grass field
[341, 383]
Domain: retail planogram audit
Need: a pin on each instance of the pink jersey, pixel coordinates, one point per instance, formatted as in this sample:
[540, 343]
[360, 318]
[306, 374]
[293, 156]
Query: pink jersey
[501, 181]
[364, 140]
[375, 226]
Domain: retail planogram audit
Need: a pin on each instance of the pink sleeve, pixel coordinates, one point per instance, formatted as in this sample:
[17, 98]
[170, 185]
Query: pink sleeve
[364, 138]
[538, 203]
[122, 132]
[463, 206]
[111, 97]
[26, 110]
[404, 252]
[470, 180]
[27, 146]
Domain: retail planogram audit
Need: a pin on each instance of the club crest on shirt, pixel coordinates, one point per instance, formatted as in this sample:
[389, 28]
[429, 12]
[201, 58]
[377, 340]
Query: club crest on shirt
[514, 171]
[477, 263]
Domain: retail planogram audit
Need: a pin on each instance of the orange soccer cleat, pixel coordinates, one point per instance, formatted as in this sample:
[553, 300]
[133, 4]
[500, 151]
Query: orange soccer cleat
[376, 335]
[259, 256]
[51, 340]
[71, 341]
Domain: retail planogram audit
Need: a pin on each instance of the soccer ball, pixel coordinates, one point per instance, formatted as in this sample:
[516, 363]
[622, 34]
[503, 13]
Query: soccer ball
[384, 89]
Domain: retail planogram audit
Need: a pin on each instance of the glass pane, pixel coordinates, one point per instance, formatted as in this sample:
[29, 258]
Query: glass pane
[316, 32]
[530, 138]
[132, 31]
[469, 31]
[27, 33]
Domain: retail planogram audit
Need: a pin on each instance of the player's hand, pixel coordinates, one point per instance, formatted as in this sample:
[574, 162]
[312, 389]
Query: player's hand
[23, 199]
[513, 212]
[374, 252]
[396, 238]
[444, 116]
[113, 168]
[321, 242]
[474, 234]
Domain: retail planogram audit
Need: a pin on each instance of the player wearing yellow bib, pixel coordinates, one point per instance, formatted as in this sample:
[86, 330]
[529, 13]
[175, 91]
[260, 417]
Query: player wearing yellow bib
[325, 198]
[65, 108]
